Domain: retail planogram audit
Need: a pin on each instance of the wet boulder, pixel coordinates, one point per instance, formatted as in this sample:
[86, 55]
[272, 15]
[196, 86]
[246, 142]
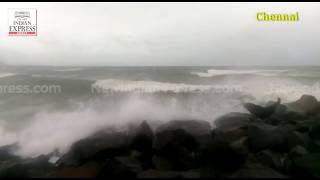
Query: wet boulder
[121, 167]
[152, 173]
[260, 111]
[199, 129]
[263, 136]
[87, 170]
[233, 120]
[230, 135]
[270, 159]
[26, 168]
[298, 151]
[142, 141]
[307, 104]
[256, 170]
[307, 166]
[174, 150]
[223, 156]
[315, 131]
[6, 153]
[95, 148]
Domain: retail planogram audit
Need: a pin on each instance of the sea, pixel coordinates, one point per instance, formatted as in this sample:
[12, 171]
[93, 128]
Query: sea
[48, 108]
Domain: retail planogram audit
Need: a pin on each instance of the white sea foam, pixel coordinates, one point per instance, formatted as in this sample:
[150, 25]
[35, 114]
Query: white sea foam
[50, 131]
[66, 70]
[216, 72]
[2, 75]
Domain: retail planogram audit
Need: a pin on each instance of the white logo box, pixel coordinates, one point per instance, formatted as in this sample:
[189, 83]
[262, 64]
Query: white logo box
[22, 22]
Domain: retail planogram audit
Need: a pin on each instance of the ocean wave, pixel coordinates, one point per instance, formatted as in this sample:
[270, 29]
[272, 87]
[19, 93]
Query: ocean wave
[67, 70]
[217, 72]
[2, 75]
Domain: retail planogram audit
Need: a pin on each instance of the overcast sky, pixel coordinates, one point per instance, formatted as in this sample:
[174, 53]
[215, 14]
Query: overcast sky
[116, 34]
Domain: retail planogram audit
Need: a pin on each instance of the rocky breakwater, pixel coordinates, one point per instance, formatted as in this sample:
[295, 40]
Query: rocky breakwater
[272, 141]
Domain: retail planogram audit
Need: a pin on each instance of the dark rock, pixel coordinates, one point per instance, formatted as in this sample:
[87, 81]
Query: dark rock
[256, 170]
[304, 126]
[163, 164]
[297, 151]
[229, 136]
[262, 112]
[298, 138]
[95, 148]
[307, 166]
[35, 167]
[240, 146]
[307, 104]
[314, 146]
[168, 174]
[121, 167]
[315, 131]
[176, 147]
[142, 141]
[269, 159]
[224, 157]
[233, 120]
[280, 109]
[263, 136]
[290, 117]
[273, 120]
[87, 170]
[6, 153]
[199, 129]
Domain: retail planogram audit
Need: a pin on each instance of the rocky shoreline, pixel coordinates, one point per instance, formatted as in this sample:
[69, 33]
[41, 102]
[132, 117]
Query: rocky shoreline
[275, 141]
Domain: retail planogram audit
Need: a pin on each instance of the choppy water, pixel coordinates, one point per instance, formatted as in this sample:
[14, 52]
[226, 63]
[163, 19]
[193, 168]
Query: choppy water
[94, 97]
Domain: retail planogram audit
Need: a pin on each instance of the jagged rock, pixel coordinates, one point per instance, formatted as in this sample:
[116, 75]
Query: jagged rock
[27, 168]
[199, 129]
[163, 164]
[293, 139]
[263, 136]
[280, 108]
[168, 174]
[304, 126]
[307, 104]
[289, 117]
[229, 136]
[176, 147]
[126, 167]
[315, 131]
[142, 140]
[240, 146]
[297, 151]
[256, 170]
[269, 158]
[87, 170]
[273, 120]
[307, 166]
[223, 157]
[314, 146]
[233, 120]
[6, 153]
[262, 112]
[95, 148]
